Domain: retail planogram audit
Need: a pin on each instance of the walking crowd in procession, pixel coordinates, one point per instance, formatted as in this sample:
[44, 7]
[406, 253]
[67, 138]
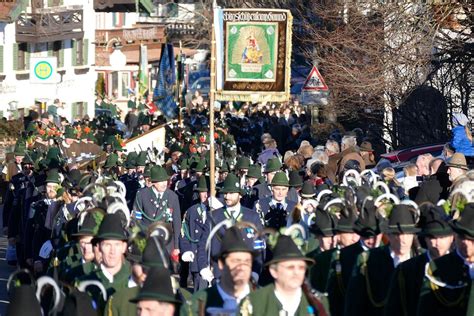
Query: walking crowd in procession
[298, 226]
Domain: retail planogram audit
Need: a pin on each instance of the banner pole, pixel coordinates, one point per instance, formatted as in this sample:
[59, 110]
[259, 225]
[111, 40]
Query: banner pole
[180, 98]
[212, 96]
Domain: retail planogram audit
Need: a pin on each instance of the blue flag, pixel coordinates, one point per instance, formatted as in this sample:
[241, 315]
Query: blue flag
[163, 93]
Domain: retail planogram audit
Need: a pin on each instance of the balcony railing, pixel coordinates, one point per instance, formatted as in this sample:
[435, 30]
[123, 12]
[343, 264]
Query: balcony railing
[49, 27]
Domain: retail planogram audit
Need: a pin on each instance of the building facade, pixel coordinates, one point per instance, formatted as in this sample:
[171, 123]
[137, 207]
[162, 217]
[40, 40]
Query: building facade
[63, 30]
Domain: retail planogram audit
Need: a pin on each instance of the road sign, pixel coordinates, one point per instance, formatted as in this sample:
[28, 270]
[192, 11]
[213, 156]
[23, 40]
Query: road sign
[43, 70]
[315, 82]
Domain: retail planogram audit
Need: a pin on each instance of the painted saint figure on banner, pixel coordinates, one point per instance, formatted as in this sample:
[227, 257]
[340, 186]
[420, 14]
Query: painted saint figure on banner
[252, 53]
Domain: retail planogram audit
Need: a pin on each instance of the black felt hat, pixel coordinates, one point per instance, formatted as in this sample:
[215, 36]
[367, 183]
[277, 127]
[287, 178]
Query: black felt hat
[286, 249]
[367, 223]
[307, 191]
[345, 223]
[233, 241]
[295, 179]
[434, 222]
[158, 287]
[155, 253]
[111, 228]
[91, 223]
[324, 225]
[464, 225]
[23, 301]
[402, 220]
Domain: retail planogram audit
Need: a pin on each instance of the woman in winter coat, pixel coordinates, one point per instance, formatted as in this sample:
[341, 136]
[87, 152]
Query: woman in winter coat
[462, 138]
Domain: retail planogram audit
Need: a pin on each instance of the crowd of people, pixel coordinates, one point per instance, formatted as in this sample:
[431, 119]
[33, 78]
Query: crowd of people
[298, 225]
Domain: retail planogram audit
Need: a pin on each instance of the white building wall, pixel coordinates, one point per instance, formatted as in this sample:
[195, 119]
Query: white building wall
[72, 87]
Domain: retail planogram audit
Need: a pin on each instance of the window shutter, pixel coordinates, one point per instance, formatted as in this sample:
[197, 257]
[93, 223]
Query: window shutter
[27, 57]
[73, 53]
[1, 59]
[15, 56]
[50, 3]
[61, 56]
[85, 51]
[85, 106]
[50, 49]
[74, 109]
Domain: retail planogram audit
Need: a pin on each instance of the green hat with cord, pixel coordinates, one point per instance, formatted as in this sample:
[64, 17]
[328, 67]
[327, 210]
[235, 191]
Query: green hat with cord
[273, 164]
[158, 174]
[231, 184]
[280, 179]
[203, 184]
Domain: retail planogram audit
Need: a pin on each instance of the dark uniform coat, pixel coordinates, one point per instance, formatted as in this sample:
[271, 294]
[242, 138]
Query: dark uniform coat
[272, 217]
[147, 205]
[369, 283]
[451, 293]
[245, 215]
[194, 229]
[405, 287]
[340, 273]
[319, 272]
[262, 190]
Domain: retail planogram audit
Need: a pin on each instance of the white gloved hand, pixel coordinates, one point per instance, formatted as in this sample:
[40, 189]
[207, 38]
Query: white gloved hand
[188, 256]
[207, 274]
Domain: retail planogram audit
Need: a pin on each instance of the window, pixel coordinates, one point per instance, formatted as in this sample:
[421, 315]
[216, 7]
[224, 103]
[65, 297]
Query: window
[56, 49]
[120, 82]
[79, 110]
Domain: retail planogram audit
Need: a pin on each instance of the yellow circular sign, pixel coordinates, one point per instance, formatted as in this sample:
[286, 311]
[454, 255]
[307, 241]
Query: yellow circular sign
[43, 70]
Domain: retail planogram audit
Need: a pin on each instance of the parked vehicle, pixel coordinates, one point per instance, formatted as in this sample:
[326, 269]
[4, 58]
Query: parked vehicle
[410, 154]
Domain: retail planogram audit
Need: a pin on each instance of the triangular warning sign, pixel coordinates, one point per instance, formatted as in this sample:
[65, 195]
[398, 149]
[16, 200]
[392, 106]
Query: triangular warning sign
[315, 82]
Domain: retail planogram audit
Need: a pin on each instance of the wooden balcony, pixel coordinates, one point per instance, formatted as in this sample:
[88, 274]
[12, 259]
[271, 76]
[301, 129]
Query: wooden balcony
[49, 26]
[123, 6]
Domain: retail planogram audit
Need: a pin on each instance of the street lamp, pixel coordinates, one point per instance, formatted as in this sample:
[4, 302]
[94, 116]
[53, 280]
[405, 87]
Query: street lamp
[117, 59]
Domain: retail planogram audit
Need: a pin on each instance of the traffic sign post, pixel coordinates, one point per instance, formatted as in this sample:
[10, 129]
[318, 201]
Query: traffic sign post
[314, 81]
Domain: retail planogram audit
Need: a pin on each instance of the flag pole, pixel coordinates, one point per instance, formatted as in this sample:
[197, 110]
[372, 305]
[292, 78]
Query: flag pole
[180, 98]
[212, 96]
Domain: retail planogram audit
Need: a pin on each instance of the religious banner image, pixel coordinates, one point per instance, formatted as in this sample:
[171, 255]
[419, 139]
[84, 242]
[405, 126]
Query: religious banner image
[253, 53]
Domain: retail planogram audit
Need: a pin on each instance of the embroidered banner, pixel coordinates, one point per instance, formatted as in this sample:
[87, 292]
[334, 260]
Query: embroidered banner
[255, 45]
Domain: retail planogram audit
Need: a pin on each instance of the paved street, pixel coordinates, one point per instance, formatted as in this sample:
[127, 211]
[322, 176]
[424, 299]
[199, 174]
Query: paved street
[5, 270]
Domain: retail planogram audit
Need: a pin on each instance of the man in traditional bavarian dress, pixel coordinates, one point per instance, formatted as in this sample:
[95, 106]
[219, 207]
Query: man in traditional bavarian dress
[236, 213]
[235, 263]
[263, 190]
[159, 204]
[407, 279]
[275, 210]
[287, 295]
[368, 286]
[447, 287]
[367, 226]
[196, 225]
